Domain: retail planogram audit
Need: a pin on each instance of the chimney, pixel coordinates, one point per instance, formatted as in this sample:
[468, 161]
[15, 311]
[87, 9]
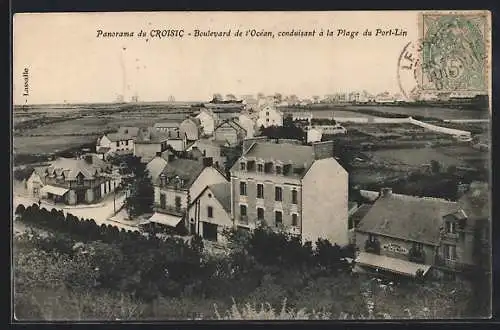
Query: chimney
[163, 179]
[158, 154]
[208, 161]
[323, 150]
[385, 192]
[88, 159]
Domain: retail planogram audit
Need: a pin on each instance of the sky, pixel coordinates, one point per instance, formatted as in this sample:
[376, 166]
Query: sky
[67, 62]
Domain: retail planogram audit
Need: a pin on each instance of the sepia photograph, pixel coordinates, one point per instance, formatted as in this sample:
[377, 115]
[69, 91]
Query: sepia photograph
[329, 165]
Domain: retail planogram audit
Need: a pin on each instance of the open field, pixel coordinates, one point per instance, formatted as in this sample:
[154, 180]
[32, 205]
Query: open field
[431, 112]
[415, 157]
[49, 144]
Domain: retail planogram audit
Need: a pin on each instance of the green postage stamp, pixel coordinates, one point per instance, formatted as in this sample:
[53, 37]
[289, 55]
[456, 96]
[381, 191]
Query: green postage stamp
[454, 51]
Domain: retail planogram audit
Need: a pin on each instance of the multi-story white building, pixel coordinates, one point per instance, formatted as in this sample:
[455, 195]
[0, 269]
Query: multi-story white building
[269, 116]
[209, 121]
[121, 142]
[299, 189]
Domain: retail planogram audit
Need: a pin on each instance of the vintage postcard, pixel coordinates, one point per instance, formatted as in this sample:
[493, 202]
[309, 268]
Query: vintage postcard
[251, 165]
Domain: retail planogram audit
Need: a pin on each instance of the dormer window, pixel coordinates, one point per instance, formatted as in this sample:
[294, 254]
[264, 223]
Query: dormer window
[287, 169]
[79, 178]
[243, 166]
[278, 169]
[251, 165]
[268, 167]
[260, 168]
[450, 227]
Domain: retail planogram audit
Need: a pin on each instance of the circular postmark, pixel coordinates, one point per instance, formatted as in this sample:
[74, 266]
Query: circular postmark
[409, 71]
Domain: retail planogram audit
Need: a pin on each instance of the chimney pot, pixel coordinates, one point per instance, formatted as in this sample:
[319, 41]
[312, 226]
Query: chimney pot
[385, 192]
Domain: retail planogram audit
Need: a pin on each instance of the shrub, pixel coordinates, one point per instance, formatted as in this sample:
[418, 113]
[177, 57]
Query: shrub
[266, 312]
[20, 210]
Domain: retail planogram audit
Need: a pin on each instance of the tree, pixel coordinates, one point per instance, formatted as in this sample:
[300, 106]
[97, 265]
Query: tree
[216, 98]
[141, 198]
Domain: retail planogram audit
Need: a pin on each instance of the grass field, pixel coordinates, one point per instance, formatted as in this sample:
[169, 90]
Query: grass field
[49, 143]
[432, 112]
[416, 157]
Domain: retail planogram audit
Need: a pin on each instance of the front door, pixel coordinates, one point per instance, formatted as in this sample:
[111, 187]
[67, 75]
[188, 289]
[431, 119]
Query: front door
[209, 231]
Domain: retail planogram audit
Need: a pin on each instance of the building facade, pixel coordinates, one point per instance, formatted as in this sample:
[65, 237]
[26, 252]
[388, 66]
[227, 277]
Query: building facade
[210, 212]
[208, 121]
[191, 128]
[121, 142]
[406, 234]
[71, 181]
[298, 189]
[248, 122]
[180, 182]
[230, 132]
[149, 143]
[269, 116]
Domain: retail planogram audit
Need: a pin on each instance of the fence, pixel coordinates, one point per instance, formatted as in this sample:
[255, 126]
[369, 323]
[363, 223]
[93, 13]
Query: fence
[444, 130]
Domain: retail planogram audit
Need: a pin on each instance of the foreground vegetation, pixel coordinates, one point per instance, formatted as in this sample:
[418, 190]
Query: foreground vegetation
[87, 272]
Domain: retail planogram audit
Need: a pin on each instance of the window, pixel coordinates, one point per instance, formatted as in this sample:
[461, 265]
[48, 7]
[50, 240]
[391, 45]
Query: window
[450, 252]
[79, 179]
[371, 238]
[260, 213]
[243, 188]
[450, 227]
[210, 212]
[278, 169]
[294, 196]
[163, 201]
[278, 218]
[243, 166]
[278, 194]
[260, 190]
[295, 219]
[419, 247]
[267, 113]
[267, 119]
[177, 203]
[243, 213]
[126, 143]
[260, 168]
[117, 143]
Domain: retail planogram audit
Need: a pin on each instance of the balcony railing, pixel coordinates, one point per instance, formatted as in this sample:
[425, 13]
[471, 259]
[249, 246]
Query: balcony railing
[448, 263]
[170, 209]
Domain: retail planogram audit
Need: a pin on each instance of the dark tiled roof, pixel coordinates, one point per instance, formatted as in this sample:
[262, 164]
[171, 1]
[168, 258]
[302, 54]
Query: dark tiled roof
[285, 152]
[360, 213]
[222, 191]
[233, 123]
[70, 167]
[155, 167]
[186, 169]
[407, 217]
[150, 135]
[123, 134]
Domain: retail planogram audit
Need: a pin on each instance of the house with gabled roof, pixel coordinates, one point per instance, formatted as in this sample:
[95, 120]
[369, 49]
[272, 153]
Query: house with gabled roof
[210, 213]
[209, 120]
[405, 235]
[73, 180]
[191, 127]
[289, 187]
[178, 184]
[118, 143]
[149, 142]
[230, 131]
